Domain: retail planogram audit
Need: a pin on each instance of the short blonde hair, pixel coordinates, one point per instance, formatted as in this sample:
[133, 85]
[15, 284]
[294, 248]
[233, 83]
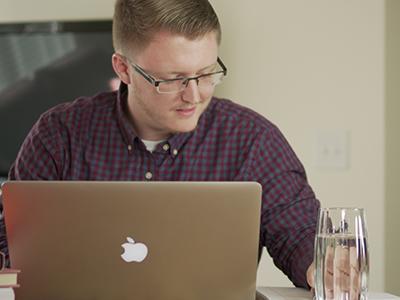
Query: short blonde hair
[136, 21]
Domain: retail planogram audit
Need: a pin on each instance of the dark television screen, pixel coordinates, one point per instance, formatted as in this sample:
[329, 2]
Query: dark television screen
[43, 64]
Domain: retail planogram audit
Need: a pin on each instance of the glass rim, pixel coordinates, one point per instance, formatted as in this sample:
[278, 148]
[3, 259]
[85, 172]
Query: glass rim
[353, 208]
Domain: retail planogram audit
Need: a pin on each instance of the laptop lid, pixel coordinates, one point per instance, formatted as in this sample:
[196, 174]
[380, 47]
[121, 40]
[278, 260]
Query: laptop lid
[133, 240]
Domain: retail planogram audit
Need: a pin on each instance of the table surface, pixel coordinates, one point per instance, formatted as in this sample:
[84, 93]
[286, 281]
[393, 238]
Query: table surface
[292, 293]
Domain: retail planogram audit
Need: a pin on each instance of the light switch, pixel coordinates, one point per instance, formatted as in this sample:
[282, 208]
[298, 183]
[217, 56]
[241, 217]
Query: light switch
[332, 149]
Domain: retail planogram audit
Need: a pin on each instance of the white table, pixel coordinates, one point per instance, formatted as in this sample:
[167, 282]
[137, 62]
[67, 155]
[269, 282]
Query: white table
[289, 293]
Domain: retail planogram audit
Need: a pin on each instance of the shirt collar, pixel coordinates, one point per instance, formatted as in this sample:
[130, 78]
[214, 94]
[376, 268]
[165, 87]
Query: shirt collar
[178, 140]
[129, 135]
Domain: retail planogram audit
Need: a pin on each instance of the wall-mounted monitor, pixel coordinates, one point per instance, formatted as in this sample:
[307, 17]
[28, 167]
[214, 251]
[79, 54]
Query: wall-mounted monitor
[46, 63]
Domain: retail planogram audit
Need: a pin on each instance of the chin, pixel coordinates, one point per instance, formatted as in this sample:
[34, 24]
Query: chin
[186, 127]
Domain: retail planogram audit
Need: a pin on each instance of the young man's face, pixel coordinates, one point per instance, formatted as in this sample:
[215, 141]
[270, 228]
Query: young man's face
[156, 116]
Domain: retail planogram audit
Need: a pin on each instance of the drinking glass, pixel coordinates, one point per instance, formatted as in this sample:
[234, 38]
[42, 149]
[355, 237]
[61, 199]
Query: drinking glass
[341, 254]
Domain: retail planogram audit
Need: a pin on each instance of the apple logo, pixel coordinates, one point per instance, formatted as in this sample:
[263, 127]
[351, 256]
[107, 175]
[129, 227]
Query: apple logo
[134, 251]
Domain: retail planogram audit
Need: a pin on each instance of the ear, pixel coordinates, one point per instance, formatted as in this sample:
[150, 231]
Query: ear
[121, 68]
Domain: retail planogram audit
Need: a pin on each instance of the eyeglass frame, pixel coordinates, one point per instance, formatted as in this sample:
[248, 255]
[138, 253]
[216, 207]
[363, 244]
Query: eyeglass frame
[156, 83]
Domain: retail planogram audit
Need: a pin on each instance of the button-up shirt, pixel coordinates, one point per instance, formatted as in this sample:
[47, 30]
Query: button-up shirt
[92, 139]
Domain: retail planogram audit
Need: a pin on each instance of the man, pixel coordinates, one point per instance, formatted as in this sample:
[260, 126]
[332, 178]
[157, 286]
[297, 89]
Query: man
[164, 124]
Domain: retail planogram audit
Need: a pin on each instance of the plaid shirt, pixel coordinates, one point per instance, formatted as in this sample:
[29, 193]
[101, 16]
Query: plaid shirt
[92, 139]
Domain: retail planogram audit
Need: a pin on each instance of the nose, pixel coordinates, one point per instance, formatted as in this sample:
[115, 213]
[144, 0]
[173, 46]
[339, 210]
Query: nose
[191, 93]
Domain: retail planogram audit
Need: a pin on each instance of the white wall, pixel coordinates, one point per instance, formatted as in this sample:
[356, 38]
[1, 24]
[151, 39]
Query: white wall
[307, 65]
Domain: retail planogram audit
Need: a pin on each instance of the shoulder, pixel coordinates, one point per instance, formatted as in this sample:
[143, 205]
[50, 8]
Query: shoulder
[226, 113]
[81, 111]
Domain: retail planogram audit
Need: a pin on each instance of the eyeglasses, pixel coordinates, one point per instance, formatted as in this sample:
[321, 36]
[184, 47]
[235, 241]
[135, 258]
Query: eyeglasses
[206, 81]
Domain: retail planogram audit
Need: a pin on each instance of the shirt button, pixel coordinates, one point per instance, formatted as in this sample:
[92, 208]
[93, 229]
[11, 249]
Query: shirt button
[129, 147]
[148, 175]
[166, 147]
[175, 152]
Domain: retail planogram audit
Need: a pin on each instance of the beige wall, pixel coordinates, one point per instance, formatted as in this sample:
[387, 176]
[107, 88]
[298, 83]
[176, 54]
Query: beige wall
[392, 123]
[316, 65]
[307, 65]
[21, 10]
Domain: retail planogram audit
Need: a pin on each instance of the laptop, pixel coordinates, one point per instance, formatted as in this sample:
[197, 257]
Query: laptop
[133, 240]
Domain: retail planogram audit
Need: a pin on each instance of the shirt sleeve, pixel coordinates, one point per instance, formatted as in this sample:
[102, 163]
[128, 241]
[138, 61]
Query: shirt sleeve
[3, 238]
[40, 158]
[289, 207]
[42, 152]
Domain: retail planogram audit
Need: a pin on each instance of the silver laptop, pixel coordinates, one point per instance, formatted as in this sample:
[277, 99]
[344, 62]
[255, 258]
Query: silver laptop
[133, 240]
